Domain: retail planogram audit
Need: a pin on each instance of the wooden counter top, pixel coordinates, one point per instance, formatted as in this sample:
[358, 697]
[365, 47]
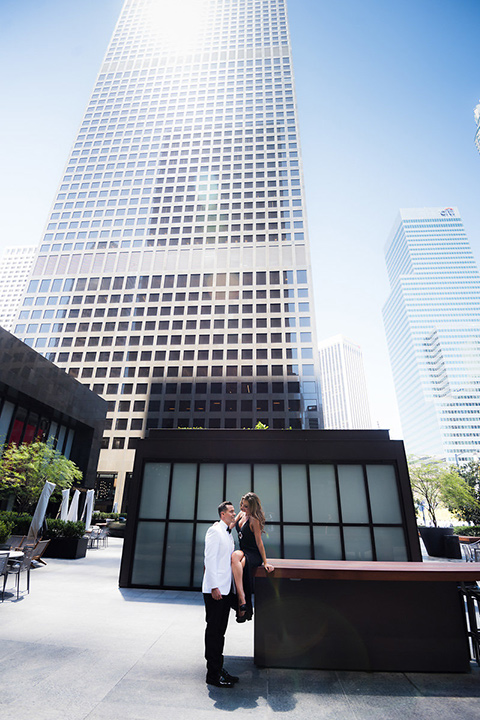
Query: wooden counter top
[369, 570]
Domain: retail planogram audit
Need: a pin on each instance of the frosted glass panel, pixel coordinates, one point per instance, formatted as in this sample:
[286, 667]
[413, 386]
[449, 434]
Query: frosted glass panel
[182, 501]
[210, 491]
[239, 482]
[201, 531]
[384, 499]
[352, 494]
[296, 540]
[324, 493]
[328, 545]
[156, 477]
[358, 544]
[179, 553]
[390, 544]
[271, 541]
[147, 562]
[266, 486]
[295, 494]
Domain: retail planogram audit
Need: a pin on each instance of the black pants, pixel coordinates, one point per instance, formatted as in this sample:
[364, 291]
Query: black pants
[216, 616]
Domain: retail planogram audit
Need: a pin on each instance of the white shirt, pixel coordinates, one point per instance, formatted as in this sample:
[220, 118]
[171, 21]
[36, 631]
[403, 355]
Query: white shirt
[219, 547]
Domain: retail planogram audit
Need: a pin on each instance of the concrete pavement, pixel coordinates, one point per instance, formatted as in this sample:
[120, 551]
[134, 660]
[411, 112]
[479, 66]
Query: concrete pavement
[79, 648]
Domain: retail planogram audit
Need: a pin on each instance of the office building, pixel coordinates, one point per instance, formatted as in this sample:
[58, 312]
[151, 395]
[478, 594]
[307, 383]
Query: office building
[174, 276]
[432, 323]
[15, 269]
[343, 385]
[476, 114]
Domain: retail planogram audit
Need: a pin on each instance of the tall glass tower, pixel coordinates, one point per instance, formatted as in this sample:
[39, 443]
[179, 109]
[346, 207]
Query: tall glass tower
[432, 323]
[476, 114]
[174, 274]
[344, 386]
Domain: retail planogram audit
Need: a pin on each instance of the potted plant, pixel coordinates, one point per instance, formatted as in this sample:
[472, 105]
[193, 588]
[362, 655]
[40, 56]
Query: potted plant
[67, 540]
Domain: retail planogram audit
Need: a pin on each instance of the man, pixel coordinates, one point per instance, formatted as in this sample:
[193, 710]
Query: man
[216, 588]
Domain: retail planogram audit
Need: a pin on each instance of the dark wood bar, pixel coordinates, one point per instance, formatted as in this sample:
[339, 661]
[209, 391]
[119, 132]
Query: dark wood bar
[382, 616]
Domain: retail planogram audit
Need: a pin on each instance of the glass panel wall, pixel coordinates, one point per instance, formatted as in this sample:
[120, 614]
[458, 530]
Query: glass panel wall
[313, 511]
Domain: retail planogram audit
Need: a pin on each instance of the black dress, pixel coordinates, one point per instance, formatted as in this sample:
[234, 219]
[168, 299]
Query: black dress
[253, 559]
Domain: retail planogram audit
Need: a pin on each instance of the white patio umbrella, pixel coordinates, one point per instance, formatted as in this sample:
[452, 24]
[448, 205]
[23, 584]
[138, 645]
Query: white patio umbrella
[40, 510]
[64, 505]
[73, 510]
[88, 508]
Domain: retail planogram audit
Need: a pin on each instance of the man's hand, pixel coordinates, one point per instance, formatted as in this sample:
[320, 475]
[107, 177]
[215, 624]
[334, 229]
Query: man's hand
[216, 594]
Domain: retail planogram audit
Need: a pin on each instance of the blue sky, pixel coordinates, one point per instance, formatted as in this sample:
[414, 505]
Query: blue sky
[385, 91]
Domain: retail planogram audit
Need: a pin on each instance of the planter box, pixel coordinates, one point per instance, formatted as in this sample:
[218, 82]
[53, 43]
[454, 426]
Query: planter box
[433, 538]
[67, 548]
[117, 529]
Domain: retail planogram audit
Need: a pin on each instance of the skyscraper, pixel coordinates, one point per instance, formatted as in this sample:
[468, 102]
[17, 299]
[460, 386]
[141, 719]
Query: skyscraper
[174, 274]
[476, 114]
[15, 269]
[344, 388]
[432, 323]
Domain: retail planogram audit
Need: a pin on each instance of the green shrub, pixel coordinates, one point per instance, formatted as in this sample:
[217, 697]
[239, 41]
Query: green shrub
[467, 530]
[5, 531]
[102, 516]
[21, 521]
[61, 528]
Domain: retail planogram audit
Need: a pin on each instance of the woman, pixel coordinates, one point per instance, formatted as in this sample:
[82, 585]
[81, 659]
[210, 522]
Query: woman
[249, 524]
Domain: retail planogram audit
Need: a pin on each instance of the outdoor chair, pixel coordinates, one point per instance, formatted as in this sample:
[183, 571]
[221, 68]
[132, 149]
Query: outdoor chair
[16, 541]
[92, 536]
[471, 592]
[4, 571]
[102, 537]
[471, 551]
[39, 549]
[23, 565]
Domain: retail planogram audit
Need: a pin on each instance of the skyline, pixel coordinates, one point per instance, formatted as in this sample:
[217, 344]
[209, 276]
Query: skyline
[418, 153]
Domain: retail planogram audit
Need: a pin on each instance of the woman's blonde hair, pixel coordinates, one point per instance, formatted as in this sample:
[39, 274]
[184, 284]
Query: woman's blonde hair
[255, 508]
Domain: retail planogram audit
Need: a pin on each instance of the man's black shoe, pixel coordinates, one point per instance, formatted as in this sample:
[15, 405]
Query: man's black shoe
[219, 682]
[229, 678]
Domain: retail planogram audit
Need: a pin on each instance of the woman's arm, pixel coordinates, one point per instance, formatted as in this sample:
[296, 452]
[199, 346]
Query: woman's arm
[239, 515]
[255, 525]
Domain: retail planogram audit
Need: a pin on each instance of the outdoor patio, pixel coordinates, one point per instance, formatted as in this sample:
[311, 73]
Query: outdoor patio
[78, 647]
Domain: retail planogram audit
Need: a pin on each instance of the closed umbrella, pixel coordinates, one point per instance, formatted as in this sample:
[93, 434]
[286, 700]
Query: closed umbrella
[88, 509]
[73, 510]
[40, 510]
[64, 505]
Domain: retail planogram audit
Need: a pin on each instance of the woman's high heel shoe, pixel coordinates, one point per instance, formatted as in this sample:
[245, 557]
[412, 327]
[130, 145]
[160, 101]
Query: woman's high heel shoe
[242, 609]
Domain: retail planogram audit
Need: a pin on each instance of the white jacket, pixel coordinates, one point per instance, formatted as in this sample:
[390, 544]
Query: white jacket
[219, 547]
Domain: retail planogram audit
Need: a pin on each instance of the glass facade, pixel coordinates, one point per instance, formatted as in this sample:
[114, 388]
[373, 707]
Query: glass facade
[344, 387]
[174, 276]
[315, 511]
[432, 326]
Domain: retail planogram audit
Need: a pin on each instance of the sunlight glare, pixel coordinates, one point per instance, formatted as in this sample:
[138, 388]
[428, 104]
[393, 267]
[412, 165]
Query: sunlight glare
[178, 22]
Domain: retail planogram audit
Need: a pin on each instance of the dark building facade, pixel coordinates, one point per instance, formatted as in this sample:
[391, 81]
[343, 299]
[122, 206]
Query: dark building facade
[38, 401]
[327, 495]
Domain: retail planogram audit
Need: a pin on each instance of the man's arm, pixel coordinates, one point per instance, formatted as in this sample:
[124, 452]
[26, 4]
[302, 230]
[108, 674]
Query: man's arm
[211, 562]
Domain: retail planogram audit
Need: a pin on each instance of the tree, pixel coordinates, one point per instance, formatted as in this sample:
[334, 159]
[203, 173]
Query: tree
[25, 468]
[470, 472]
[436, 483]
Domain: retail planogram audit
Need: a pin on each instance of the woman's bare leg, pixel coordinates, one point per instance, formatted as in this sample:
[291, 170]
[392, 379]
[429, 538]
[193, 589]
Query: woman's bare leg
[238, 563]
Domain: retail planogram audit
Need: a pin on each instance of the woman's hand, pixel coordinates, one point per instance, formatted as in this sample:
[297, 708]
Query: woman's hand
[269, 568]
